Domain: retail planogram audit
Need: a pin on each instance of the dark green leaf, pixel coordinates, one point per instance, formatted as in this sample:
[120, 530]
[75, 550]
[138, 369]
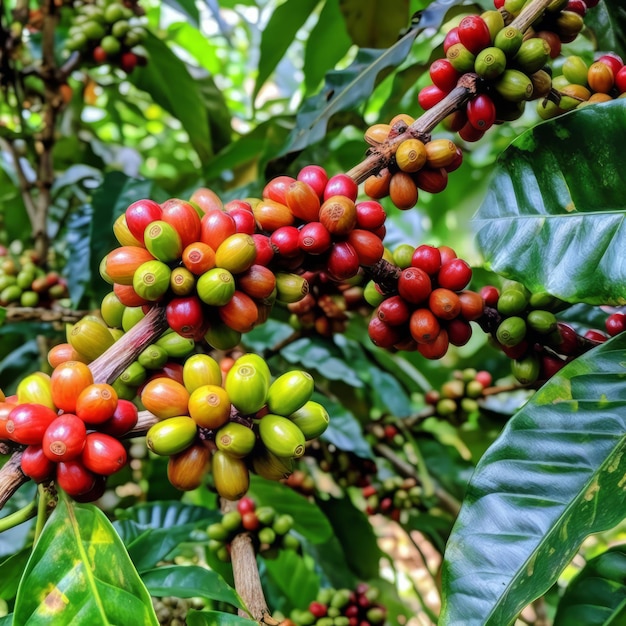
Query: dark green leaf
[79, 572]
[344, 430]
[297, 582]
[597, 595]
[309, 520]
[7, 620]
[374, 23]
[151, 531]
[356, 535]
[172, 87]
[266, 336]
[78, 239]
[188, 581]
[10, 573]
[214, 618]
[280, 31]
[554, 476]
[322, 357]
[608, 23]
[553, 217]
[330, 559]
[327, 43]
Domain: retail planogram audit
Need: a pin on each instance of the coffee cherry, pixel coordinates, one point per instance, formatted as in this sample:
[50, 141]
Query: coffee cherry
[64, 438]
[341, 185]
[437, 348]
[36, 465]
[474, 33]
[481, 112]
[27, 423]
[444, 303]
[424, 326]
[96, 403]
[414, 285]
[615, 323]
[430, 95]
[394, 311]
[74, 478]
[103, 454]
[382, 334]
[67, 381]
[443, 75]
[315, 176]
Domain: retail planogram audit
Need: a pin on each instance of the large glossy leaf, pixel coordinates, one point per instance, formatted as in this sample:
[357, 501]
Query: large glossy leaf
[597, 595]
[78, 270]
[375, 23]
[309, 520]
[172, 87]
[555, 475]
[151, 531]
[10, 572]
[279, 33]
[553, 217]
[79, 572]
[608, 23]
[188, 581]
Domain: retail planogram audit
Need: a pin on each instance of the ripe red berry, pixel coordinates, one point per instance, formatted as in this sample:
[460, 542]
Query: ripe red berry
[394, 311]
[139, 214]
[427, 258]
[620, 80]
[444, 303]
[382, 334]
[36, 465]
[615, 323]
[443, 75]
[65, 438]
[429, 96]
[490, 295]
[447, 253]
[250, 521]
[99, 55]
[264, 249]
[595, 335]
[459, 332]
[315, 176]
[470, 133]
[74, 478]
[481, 112]
[474, 33]
[414, 285]
[370, 215]
[451, 38]
[341, 185]
[103, 454]
[454, 274]
[27, 423]
[128, 61]
[186, 317]
[343, 261]
[314, 238]
[318, 609]
[484, 378]
[424, 326]
[124, 418]
[246, 505]
[613, 60]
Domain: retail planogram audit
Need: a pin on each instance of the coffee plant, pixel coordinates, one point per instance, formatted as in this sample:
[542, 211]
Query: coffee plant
[312, 312]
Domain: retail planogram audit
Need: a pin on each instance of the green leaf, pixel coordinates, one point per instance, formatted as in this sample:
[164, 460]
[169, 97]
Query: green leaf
[78, 239]
[187, 8]
[309, 520]
[214, 618]
[608, 23]
[327, 43]
[297, 582]
[10, 572]
[167, 79]
[374, 23]
[597, 595]
[280, 31]
[554, 476]
[553, 217]
[344, 430]
[7, 620]
[151, 531]
[323, 357]
[356, 535]
[189, 581]
[79, 572]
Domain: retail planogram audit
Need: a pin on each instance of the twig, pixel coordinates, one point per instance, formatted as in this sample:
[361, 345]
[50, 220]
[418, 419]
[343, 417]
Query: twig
[55, 314]
[246, 574]
[11, 478]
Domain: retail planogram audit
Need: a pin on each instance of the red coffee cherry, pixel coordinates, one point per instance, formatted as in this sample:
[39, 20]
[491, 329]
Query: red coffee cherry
[615, 323]
[429, 96]
[64, 439]
[452, 37]
[454, 274]
[103, 454]
[315, 176]
[285, 241]
[36, 465]
[490, 295]
[444, 303]
[370, 215]
[394, 311]
[246, 505]
[27, 423]
[74, 478]
[414, 285]
[124, 419]
[474, 33]
[427, 258]
[436, 348]
[341, 185]
[481, 112]
[443, 75]
[424, 326]
[459, 332]
[250, 521]
[186, 317]
[382, 334]
[96, 403]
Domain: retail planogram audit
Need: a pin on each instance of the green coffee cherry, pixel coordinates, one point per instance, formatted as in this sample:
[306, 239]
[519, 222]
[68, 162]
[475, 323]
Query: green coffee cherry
[175, 345]
[312, 419]
[290, 392]
[231, 521]
[235, 439]
[542, 322]
[162, 240]
[153, 357]
[267, 535]
[246, 387]
[270, 466]
[283, 524]
[512, 301]
[281, 436]
[151, 280]
[171, 435]
[526, 370]
[511, 331]
[218, 532]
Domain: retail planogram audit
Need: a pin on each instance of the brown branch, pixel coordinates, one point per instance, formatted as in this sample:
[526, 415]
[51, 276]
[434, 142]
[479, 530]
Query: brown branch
[109, 365]
[246, 574]
[11, 477]
[23, 314]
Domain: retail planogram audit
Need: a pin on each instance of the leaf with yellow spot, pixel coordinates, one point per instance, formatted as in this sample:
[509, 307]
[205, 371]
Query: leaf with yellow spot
[80, 573]
[555, 475]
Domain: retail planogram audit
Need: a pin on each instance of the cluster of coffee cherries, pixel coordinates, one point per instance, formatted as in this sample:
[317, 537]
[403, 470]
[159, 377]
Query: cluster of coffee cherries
[269, 530]
[327, 307]
[108, 31]
[346, 468]
[456, 400]
[579, 85]
[342, 607]
[201, 263]
[417, 165]
[528, 331]
[394, 497]
[314, 222]
[432, 307]
[240, 423]
[24, 282]
[70, 427]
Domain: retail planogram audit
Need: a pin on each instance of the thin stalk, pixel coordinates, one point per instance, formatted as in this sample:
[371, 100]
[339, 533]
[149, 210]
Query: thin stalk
[19, 517]
[42, 511]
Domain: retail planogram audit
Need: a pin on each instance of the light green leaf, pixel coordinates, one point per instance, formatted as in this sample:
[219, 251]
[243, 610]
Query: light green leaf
[280, 31]
[79, 572]
[215, 618]
[553, 217]
[554, 476]
[189, 581]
